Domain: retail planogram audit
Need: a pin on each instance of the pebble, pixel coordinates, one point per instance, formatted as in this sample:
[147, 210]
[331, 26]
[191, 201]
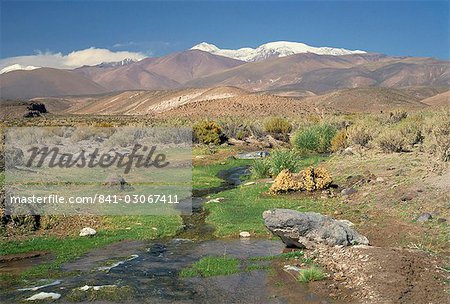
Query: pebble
[244, 234]
[87, 231]
[44, 295]
[424, 217]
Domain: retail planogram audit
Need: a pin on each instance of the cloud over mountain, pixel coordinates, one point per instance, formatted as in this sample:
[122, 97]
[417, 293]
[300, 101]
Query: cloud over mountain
[90, 56]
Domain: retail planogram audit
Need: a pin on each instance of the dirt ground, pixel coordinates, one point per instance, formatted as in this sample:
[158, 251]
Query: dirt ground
[408, 260]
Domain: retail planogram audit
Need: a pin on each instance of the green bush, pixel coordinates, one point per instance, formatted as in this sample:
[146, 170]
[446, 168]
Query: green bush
[311, 274]
[208, 132]
[278, 125]
[275, 163]
[260, 168]
[316, 138]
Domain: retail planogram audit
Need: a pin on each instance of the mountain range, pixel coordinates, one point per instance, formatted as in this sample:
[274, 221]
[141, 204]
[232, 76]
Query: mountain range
[295, 68]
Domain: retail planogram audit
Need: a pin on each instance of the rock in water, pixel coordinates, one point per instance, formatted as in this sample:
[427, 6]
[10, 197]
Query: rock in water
[308, 229]
[244, 234]
[87, 232]
[44, 295]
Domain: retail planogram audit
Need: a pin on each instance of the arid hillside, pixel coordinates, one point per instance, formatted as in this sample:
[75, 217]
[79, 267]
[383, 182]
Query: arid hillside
[442, 99]
[46, 82]
[366, 100]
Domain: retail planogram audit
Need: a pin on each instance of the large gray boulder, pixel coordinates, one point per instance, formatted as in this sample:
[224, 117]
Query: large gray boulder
[308, 229]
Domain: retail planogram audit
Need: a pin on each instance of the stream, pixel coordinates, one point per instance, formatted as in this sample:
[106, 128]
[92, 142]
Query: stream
[151, 268]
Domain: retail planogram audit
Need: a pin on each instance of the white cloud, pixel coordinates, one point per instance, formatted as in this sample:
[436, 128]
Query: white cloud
[90, 56]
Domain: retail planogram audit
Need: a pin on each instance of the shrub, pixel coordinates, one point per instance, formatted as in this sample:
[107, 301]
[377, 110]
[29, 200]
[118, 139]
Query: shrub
[397, 116]
[278, 125]
[275, 163]
[437, 135]
[391, 140]
[208, 132]
[260, 168]
[315, 138]
[309, 179]
[283, 159]
[339, 141]
[311, 274]
[360, 134]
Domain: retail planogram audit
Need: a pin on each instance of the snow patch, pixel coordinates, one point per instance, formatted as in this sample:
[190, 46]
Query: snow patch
[17, 67]
[273, 49]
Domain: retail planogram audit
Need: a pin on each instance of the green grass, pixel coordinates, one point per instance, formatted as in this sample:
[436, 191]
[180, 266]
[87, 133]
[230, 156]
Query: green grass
[283, 159]
[311, 274]
[206, 176]
[287, 255]
[212, 266]
[242, 208]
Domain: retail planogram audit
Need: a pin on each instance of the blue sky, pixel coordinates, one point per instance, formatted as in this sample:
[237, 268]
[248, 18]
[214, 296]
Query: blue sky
[156, 28]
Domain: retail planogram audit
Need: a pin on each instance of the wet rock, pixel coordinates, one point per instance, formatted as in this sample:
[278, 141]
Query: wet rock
[308, 229]
[291, 268]
[424, 217]
[57, 282]
[348, 191]
[87, 231]
[253, 155]
[157, 249]
[43, 296]
[244, 234]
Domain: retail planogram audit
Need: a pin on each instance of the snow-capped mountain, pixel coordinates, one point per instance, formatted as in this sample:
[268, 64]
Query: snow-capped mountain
[16, 67]
[272, 49]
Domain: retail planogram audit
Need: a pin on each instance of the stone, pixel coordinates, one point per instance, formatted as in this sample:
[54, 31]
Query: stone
[379, 180]
[348, 191]
[348, 151]
[39, 107]
[244, 234]
[424, 217]
[87, 231]
[253, 155]
[309, 229]
[44, 295]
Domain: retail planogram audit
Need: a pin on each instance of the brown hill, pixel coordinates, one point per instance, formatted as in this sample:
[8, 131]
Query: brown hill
[151, 102]
[159, 73]
[245, 106]
[366, 100]
[45, 82]
[439, 100]
[319, 73]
